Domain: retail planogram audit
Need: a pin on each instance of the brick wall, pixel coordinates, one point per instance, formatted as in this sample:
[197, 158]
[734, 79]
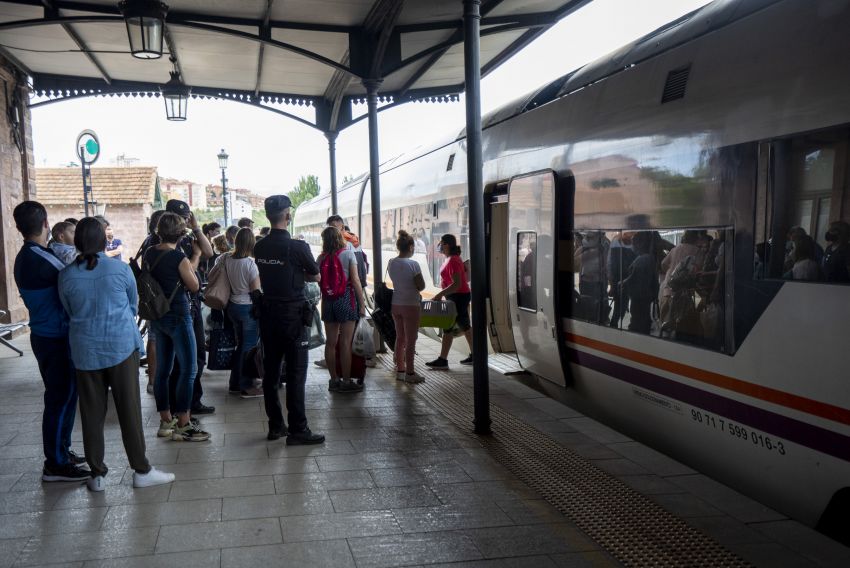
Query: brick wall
[17, 184]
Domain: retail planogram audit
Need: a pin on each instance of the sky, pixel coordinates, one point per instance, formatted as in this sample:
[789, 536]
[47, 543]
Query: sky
[269, 153]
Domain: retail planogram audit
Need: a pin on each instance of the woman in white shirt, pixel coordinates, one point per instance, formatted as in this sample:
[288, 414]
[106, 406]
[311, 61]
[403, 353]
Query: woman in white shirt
[244, 278]
[407, 283]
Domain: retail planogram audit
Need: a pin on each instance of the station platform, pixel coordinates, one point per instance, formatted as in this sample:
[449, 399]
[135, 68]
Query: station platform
[401, 481]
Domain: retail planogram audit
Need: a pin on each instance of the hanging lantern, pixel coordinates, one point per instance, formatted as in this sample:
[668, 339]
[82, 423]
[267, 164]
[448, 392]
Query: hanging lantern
[145, 20]
[176, 97]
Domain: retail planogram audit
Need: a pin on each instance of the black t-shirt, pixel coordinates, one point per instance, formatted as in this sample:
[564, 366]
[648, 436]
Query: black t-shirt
[167, 273]
[283, 262]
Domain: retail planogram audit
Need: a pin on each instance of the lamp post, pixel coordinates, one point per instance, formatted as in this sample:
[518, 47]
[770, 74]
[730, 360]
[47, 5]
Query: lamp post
[222, 163]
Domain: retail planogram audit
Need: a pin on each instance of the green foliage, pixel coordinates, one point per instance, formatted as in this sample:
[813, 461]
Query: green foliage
[208, 215]
[307, 188]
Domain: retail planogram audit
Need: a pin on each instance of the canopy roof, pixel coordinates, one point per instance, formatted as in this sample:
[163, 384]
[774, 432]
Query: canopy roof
[263, 52]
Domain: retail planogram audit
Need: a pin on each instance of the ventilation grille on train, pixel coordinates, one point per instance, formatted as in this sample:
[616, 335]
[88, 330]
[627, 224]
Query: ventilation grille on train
[674, 88]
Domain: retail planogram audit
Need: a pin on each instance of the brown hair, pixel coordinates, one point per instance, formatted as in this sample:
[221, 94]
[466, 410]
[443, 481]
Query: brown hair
[221, 245]
[60, 228]
[404, 242]
[171, 227]
[332, 240]
[244, 243]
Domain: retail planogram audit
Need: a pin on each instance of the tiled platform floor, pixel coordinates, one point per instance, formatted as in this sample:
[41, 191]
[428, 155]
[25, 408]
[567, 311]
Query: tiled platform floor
[396, 484]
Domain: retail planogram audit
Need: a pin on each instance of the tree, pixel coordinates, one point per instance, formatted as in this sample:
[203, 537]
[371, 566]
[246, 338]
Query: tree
[307, 188]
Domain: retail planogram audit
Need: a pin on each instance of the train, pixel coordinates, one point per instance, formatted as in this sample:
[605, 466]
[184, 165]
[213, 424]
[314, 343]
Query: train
[716, 149]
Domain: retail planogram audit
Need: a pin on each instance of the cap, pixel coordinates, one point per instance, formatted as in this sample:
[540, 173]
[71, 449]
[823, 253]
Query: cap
[179, 207]
[277, 203]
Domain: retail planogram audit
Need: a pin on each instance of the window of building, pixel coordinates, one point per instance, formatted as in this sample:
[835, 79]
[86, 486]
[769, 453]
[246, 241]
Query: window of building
[526, 270]
[802, 229]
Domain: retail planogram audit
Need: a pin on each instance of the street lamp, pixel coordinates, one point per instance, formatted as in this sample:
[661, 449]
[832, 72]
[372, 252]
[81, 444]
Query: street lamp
[222, 163]
[144, 20]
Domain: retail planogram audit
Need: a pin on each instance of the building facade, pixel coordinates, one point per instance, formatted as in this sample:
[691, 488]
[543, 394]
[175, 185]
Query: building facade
[17, 181]
[129, 195]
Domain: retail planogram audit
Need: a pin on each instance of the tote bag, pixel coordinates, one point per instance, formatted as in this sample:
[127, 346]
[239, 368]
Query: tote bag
[217, 292]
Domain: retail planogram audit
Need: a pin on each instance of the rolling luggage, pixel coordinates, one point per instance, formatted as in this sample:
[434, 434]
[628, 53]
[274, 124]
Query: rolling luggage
[358, 366]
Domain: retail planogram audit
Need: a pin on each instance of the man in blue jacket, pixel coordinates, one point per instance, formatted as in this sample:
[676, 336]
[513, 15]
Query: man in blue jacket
[36, 275]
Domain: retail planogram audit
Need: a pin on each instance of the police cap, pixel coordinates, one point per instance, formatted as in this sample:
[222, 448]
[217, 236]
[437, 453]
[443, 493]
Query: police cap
[179, 207]
[276, 204]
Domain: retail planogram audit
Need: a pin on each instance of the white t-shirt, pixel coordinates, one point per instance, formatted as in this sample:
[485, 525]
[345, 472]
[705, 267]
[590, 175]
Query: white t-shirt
[240, 272]
[402, 271]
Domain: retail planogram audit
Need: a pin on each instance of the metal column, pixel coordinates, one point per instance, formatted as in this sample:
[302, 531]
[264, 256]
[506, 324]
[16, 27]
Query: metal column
[374, 179]
[331, 136]
[475, 187]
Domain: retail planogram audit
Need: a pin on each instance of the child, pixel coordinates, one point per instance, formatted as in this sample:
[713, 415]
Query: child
[62, 244]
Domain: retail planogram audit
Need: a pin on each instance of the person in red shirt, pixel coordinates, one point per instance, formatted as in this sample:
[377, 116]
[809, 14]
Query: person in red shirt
[455, 287]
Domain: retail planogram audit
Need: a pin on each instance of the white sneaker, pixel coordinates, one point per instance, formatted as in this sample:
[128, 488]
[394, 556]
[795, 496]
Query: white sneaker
[413, 379]
[399, 375]
[151, 478]
[96, 483]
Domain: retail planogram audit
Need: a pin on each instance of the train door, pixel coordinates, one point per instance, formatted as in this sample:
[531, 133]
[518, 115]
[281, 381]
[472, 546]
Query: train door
[501, 334]
[532, 274]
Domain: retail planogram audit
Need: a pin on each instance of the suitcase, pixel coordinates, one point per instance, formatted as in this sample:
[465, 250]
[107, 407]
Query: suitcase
[358, 366]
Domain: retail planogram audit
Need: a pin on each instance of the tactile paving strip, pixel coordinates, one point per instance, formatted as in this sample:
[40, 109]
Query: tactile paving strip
[629, 526]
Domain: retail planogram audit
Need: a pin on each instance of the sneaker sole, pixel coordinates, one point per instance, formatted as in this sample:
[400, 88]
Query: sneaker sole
[250, 396]
[179, 438]
[52, 478]
[164, 433]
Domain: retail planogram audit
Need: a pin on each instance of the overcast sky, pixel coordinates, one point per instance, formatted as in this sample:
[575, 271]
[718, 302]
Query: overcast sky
[268, 153]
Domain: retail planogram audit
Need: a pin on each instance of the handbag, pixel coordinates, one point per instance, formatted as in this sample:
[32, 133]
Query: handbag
[317, 336]
[222, 349]
[384, 294]
[217, 292]
[252, 362]
[383, 320]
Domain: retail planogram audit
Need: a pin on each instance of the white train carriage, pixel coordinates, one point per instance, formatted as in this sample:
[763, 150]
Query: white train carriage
[716, 134]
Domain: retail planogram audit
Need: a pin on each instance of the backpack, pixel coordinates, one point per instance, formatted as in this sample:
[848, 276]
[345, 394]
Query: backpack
[333, 281]
[362, 266]
[153, 303]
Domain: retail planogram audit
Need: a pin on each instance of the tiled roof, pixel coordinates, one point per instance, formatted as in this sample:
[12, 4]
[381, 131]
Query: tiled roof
[112, 186]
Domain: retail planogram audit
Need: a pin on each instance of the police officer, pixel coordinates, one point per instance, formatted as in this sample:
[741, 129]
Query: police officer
[285, 264]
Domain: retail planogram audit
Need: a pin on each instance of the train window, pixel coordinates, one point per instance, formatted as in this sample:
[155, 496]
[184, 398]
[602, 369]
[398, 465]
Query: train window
[668, 283]
[526, 270]
[802, 227]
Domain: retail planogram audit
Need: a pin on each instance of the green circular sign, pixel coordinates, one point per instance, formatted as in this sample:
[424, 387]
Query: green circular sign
[88, 147]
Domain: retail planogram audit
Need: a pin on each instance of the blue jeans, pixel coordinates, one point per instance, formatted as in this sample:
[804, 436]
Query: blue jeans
[175, 338]
[60, 396]
[247, 335]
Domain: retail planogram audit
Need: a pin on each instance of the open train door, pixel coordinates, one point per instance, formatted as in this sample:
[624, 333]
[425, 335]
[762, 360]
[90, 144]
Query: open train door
[532, 274]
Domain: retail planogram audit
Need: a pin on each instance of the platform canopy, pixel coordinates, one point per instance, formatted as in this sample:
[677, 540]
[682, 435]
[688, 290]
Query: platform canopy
[270, 52]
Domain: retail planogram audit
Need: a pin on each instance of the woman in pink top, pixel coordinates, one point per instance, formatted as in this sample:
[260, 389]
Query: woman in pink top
[455, 284]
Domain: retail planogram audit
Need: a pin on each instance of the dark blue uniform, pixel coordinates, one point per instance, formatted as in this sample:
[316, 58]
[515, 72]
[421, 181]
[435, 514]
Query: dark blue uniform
[36, 275]
[283, 263]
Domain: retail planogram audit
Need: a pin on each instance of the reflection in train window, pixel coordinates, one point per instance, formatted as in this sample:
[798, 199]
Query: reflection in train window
[668, 283]
[803, 232]
[526, 270]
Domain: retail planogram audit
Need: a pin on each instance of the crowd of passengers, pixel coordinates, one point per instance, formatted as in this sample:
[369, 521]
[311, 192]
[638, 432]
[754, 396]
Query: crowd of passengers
[677, 289]
[85, 334]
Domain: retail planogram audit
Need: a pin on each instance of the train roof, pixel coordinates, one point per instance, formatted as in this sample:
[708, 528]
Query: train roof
[689, 27]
